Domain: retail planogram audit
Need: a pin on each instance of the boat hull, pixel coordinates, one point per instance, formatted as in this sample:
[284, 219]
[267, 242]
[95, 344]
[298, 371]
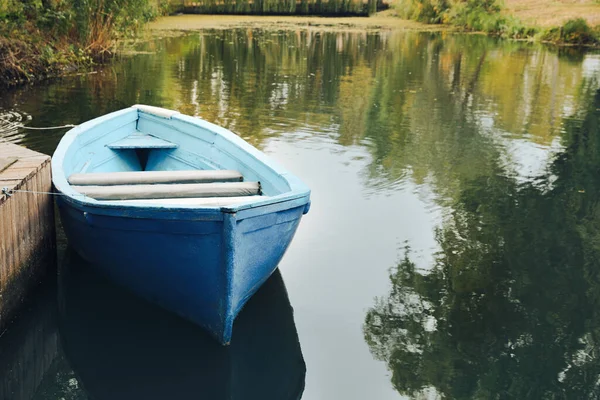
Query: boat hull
[203, 267]
[201, 257]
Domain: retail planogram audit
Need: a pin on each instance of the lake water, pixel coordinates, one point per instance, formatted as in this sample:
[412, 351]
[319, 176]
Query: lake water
[452, 249]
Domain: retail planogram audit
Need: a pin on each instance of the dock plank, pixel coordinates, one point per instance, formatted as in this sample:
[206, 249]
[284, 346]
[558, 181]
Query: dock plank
[7, 162]
[27, 241]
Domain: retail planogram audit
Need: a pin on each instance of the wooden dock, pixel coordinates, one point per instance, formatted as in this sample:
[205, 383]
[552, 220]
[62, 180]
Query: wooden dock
[27, 235]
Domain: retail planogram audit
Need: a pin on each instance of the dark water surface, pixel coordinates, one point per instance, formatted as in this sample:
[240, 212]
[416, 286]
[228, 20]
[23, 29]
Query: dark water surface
[452, 249]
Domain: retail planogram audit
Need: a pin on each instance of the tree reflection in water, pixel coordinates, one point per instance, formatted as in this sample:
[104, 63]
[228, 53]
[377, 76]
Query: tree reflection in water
[511, 307]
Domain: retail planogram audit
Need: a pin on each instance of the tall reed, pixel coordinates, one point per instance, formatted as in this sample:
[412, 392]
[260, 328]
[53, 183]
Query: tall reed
[47, 35]
[283, 7]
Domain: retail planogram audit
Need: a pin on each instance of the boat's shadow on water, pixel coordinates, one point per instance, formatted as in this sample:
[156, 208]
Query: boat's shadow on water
[122, 347]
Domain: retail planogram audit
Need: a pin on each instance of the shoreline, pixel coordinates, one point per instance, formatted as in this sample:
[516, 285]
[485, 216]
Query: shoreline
[385, 20]
[179, 24]
[382, 21]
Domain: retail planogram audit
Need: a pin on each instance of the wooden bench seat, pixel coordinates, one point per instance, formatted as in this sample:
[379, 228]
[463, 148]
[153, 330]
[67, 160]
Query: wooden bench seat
[195, 201]
[154, 177]
[164, 191]
[141, 141]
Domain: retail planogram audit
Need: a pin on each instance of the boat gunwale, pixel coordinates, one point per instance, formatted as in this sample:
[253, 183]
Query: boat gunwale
[186, 212]
[299, 193]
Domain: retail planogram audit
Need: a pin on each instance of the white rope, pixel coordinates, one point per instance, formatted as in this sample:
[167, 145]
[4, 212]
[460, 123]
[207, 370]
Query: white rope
[10, 192]
[48, 127]
[37, 129]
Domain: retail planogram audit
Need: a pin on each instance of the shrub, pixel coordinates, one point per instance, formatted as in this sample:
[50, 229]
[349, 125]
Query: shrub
[575, 31]
[429, 11]
[39, 38]
[472, 15]
[476, 15]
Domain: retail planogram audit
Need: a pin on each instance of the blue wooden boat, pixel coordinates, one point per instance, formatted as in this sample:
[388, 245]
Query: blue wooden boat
[181, 211]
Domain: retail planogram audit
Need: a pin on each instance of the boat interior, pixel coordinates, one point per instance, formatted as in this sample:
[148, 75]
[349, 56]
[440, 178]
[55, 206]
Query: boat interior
[148, 159]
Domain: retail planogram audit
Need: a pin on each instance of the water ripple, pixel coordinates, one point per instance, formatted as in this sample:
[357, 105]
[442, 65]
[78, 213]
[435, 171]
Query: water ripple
[10, 121]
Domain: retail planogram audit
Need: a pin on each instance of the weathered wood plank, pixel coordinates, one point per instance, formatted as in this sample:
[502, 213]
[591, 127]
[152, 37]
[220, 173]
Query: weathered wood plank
[4, 255]
[7, 162]
[9, 183]
[26, 226]
[14, 173]
[13, 150]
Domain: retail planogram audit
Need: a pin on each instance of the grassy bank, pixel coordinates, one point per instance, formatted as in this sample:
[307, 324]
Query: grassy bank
[43, 38]
[548, 14]
[495, 18]
[386, 20]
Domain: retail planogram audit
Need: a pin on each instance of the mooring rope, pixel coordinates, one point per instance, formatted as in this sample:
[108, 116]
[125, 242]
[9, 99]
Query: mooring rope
[9, 192]
[48, 127]
[20, 125]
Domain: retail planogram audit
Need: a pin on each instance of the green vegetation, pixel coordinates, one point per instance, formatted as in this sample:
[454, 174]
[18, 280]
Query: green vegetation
[485, 16]
[41, 38]
[428, 11]
[488, 16]
[575, 31]
[286, 7]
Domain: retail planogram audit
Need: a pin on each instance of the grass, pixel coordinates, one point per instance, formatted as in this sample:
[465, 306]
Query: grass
[44, 38]
[385, 20]
[548, 14]
[27, 57]
[284, 7]
[493, 18]
[38, 41]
